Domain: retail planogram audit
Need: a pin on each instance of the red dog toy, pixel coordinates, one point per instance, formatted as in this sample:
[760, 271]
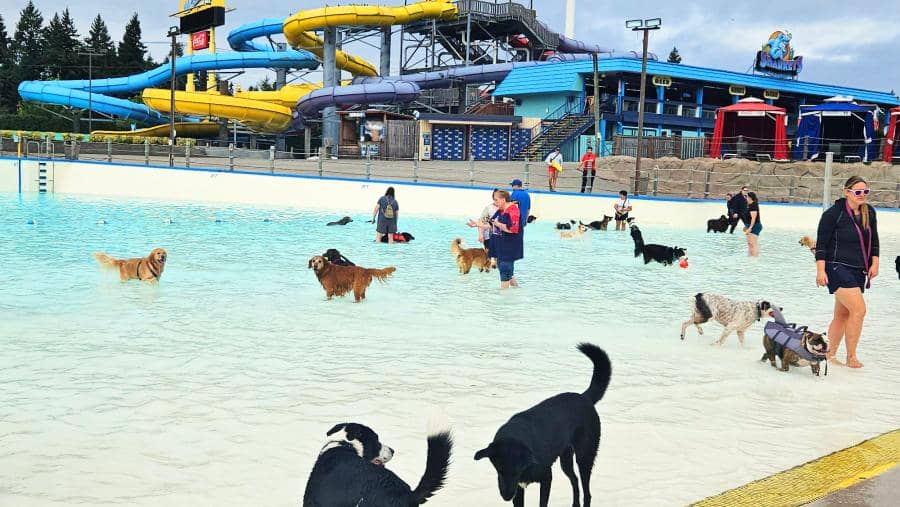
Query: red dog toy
[683, 263]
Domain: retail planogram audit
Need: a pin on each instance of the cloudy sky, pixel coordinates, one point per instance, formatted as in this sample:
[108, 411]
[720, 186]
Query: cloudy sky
[841, 42]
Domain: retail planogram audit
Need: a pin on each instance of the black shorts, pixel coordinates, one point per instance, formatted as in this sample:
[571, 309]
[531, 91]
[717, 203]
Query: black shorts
[622, 217]
[847, 277]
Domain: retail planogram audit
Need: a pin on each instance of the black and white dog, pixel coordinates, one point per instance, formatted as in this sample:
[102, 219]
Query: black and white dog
[565, 226]
[717, 224]
[735, 316]
[666, 255]
[350, 471]
[561, 427]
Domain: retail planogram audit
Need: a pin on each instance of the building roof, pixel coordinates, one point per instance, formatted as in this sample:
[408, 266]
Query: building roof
[563, 77]
[751, 105]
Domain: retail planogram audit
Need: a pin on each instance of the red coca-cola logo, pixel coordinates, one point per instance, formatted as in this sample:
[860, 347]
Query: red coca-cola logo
[200, 40]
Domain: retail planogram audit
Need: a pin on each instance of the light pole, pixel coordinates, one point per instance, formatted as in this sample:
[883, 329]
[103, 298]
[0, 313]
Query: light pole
[642, 25]
[91, 55]
[174, 31]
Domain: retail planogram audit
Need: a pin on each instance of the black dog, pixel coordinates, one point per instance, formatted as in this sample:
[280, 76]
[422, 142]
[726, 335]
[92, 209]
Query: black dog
[717, 224]
[343, 221]
[350, 471]
[336, 257]
[666, 255]
[564, 426]
[399, 237]
[897, 264]
[531, 218]
[563, 226]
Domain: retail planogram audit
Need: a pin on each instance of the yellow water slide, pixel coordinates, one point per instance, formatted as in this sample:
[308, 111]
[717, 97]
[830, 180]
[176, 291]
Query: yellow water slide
[184, 129]
[262, 116]
[298, 28]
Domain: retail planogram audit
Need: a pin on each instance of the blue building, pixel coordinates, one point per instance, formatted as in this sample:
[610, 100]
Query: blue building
[681, 100]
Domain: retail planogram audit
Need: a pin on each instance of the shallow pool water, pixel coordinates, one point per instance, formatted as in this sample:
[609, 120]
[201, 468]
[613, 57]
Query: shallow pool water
[217, 386]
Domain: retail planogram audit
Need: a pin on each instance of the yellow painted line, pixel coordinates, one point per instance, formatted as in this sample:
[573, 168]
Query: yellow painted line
[816, 479]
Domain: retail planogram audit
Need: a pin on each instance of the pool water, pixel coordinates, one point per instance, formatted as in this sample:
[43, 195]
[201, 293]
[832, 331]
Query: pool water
[216, 387]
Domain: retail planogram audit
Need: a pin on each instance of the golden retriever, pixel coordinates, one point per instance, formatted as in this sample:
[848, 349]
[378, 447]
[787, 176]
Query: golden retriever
[339, 280]
[808, 243]
[145, 269]
[468, 257]
[581, 229]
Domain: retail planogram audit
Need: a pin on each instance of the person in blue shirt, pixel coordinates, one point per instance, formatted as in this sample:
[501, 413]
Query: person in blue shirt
[520, 196]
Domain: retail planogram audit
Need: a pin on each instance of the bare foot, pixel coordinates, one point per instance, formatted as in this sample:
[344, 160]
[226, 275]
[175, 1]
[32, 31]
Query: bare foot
[854, 363]
[835, 361]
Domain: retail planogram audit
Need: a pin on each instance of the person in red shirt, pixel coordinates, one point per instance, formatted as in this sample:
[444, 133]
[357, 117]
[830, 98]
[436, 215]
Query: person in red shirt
[588, 163]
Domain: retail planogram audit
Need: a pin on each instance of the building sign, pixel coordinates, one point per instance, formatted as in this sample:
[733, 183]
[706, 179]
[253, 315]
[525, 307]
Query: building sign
[737, 90]
[200, 40]
[777, 56]
[664, 81]
[198, 15]
[771, 94]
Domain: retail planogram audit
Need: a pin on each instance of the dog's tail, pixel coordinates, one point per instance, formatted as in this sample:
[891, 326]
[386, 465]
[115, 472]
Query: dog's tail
[440, 446]
[702, 307]
[456, 245]
[107, 261]
[382, 274]
[602, 371]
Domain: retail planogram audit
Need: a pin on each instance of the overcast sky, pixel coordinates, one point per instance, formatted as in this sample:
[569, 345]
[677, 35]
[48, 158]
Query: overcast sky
[848, 43]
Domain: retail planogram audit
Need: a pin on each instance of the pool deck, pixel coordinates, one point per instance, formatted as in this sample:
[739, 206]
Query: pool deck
[865, 474]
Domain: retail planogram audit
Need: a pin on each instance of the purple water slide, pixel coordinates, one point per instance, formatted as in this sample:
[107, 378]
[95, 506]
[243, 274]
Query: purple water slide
[567, 45]
[368, 93]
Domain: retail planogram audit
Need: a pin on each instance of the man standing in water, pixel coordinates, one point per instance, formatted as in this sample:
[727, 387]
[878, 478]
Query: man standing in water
[520, 196]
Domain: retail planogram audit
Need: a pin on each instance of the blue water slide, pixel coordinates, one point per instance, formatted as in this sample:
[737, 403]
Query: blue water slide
[74, 93]
[242, 37]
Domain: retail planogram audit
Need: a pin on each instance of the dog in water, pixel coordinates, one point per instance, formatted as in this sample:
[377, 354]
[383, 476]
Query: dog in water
[565, 226]
[468, 257]
[339, 280]
[531, 218]
[735, 316]
[145, 269]
[343, 221]
[563, 427]
[813, 343]
[808, 242]
[350, 471]
[579, 231]
[717, 224]
[336, 257]
[399, 237]
[665, 255]
[599, 225]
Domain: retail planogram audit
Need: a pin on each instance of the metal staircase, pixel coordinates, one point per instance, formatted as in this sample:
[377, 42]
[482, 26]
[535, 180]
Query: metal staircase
[557, 128]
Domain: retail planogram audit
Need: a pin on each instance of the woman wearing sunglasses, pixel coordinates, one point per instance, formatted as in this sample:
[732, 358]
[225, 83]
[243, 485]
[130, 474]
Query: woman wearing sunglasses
[846, 262]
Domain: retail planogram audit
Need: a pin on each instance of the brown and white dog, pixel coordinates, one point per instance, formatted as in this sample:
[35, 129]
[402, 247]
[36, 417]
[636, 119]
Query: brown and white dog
[808, 243]
[733, 315]
[145, 269]
[339, 280]
[814, 343]
[468, 257]
[578, 231]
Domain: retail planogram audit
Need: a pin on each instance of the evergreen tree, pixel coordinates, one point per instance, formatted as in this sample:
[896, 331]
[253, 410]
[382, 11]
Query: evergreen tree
[8, 96]
[265, 85]
[99, 41]
[132, 53]
[61, 46]
[674, 57]
[28, 44]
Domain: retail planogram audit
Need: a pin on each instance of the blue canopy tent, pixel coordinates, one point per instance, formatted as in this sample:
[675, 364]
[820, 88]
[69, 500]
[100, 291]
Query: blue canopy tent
[845, 128]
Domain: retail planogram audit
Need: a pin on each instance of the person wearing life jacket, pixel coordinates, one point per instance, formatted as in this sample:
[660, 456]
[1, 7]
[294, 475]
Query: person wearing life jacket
[847, 262]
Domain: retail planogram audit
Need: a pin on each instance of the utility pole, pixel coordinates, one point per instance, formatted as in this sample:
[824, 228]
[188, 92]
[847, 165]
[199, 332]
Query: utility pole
[174, 31]
[91, 55]
[643, 26]
[596, 109]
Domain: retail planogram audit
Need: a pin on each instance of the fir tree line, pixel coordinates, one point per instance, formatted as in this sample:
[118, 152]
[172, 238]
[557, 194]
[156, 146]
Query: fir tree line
[39, 51]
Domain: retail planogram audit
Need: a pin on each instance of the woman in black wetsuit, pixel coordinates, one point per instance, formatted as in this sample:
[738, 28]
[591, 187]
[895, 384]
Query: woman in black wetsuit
[847, 261]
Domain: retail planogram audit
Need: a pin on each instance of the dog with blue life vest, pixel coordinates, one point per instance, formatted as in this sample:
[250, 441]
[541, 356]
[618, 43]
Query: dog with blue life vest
[793, 345]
